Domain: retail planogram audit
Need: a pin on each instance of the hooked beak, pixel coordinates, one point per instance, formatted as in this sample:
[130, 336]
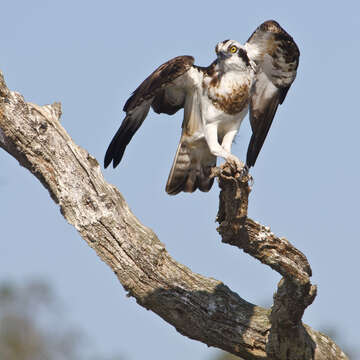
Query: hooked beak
[223, 55]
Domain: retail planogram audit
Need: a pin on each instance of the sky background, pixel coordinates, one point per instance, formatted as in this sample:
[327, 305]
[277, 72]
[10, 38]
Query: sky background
[90, 56]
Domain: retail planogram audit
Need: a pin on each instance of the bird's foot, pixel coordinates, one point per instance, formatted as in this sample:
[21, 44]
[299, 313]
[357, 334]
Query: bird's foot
[244, 171]
[236, 164]
[240, 169]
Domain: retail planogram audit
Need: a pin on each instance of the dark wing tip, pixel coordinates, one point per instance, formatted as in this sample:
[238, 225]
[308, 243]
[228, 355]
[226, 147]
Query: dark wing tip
[107, 161]
[114, 153]
[116, 162]
[108, 157]
[251, 155]
[261, 118]
[121, 139]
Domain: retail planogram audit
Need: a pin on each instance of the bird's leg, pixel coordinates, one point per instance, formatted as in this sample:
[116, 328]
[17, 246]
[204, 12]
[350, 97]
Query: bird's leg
[211, 136]
[228, 139]
[234, 161]
[224, 150]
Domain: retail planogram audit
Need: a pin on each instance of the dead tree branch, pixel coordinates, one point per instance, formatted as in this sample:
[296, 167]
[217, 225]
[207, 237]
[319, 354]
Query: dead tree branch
[288, 339]
[198, 307]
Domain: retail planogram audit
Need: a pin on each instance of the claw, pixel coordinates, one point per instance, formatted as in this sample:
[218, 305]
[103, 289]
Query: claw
[239, 167]
[244, 171]
[235, 163]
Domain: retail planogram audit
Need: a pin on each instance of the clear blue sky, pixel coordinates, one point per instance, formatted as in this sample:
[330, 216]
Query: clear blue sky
[90, 56]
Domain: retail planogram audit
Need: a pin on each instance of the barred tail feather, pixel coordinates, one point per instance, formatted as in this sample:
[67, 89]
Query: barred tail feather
[191, 169]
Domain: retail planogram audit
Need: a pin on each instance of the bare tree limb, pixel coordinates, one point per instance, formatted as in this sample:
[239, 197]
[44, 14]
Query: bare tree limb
[288, 339]
[200, 308]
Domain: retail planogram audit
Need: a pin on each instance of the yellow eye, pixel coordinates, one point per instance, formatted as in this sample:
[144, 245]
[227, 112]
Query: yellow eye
[233, 49]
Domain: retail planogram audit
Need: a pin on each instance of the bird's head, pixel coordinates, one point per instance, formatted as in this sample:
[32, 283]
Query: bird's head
[232, 55]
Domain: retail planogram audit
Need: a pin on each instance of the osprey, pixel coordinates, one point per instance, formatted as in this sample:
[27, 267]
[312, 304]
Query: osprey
[215, 99]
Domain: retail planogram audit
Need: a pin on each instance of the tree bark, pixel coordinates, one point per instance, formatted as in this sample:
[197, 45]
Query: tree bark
[200, 308]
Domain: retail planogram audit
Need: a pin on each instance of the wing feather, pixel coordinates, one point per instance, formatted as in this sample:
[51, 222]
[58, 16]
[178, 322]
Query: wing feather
[126, 131]
[193, 160]
[162, 77]
[159, 90]
[277, 57]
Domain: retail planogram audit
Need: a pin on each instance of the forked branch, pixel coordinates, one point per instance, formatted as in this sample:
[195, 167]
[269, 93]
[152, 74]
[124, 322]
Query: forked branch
[198, 307]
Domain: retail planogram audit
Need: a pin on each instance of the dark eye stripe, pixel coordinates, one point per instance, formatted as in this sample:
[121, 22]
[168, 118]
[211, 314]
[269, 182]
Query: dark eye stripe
[243, 54]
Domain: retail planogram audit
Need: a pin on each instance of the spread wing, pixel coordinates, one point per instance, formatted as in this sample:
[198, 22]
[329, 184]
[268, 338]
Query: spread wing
[164, 90]
[277, 57]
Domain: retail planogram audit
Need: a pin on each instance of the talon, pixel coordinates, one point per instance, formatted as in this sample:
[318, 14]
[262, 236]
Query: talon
[245, 170]
[235, 163]
[240, 170]
[251, 181]
[245, 176]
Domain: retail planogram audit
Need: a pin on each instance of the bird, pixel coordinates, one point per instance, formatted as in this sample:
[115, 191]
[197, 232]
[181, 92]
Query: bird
[254, 77]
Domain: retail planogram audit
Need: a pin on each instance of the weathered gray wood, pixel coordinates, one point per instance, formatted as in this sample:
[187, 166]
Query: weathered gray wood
[200, 308]
[288, 339]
